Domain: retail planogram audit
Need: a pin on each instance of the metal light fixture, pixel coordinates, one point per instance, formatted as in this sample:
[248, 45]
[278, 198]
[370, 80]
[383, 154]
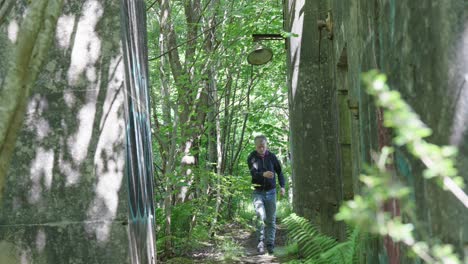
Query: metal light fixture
[260, 55]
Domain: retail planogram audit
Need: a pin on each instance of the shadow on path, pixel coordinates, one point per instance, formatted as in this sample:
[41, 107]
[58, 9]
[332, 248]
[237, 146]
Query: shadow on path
[247, 239]
[242, 249]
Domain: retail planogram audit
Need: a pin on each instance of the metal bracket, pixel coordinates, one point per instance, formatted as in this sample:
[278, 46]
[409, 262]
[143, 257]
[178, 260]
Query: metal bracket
[327, 24]
[354, 108]
[259, 37]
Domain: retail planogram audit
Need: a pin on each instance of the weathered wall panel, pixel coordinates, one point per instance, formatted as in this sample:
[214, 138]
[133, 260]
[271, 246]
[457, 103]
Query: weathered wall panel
[66, 198]
[422, 47]
[313, 113]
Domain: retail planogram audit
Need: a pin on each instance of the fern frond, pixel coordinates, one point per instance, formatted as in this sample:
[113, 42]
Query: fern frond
[346, 252]
[311, 243]
[317, 248]
[340, 254]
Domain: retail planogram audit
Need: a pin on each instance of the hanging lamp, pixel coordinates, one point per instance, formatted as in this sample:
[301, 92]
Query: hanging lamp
[260, 55]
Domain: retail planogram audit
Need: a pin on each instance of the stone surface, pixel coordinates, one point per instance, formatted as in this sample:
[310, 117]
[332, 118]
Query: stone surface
[422, 47]
[313, 114]
[66, 197]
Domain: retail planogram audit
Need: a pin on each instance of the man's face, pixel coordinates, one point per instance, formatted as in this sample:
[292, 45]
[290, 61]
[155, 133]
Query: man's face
[261, 147]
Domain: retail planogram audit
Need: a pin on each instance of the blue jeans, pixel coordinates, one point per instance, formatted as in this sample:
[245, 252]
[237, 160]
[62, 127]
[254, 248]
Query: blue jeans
[265, 206]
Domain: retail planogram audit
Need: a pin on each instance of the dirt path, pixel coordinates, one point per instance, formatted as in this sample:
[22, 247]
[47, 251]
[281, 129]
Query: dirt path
[248, 241]
[243, 249]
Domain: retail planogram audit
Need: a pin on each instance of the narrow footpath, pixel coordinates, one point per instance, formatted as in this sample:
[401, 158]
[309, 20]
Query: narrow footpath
[248, 241]
[243, 249]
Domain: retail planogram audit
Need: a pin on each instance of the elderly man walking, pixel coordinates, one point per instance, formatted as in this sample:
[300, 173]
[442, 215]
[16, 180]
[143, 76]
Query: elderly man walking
[264, 168]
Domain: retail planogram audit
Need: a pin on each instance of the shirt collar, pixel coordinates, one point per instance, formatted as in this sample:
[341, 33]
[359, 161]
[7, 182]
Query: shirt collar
[262, 156]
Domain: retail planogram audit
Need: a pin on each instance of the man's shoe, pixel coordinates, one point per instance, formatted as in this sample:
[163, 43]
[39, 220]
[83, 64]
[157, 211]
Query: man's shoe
[260, 248]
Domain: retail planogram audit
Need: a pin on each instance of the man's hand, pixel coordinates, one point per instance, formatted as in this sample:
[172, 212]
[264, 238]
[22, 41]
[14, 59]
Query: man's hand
[283, 191]
[268, 174]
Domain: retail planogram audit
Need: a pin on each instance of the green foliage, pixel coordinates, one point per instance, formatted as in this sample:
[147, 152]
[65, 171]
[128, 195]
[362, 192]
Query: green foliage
[246, 213]
[315, 247]
[231, 251]
[291, 249]
[311, 243]
[185, 237]
[411, 131]
[346, 252]
[249, 100]
[268, 99]
[365, 211]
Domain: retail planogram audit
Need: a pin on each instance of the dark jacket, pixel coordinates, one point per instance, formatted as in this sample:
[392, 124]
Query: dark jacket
[259, 165]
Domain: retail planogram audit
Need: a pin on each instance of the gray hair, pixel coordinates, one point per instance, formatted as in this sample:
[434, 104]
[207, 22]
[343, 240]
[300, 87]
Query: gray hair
[260, 138]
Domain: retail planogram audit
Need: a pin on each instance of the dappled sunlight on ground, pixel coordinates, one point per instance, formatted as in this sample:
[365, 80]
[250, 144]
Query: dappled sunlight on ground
[237, 245]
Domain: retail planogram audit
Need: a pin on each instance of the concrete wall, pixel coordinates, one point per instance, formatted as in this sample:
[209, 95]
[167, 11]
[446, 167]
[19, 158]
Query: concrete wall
[312, 120]
[65, 199]
[422, 46]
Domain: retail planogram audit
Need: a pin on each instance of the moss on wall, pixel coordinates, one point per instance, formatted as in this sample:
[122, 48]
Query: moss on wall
[421, 46]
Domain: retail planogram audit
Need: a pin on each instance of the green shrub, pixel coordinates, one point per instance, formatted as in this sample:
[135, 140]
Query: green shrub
[231, 251]
[315, 247]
